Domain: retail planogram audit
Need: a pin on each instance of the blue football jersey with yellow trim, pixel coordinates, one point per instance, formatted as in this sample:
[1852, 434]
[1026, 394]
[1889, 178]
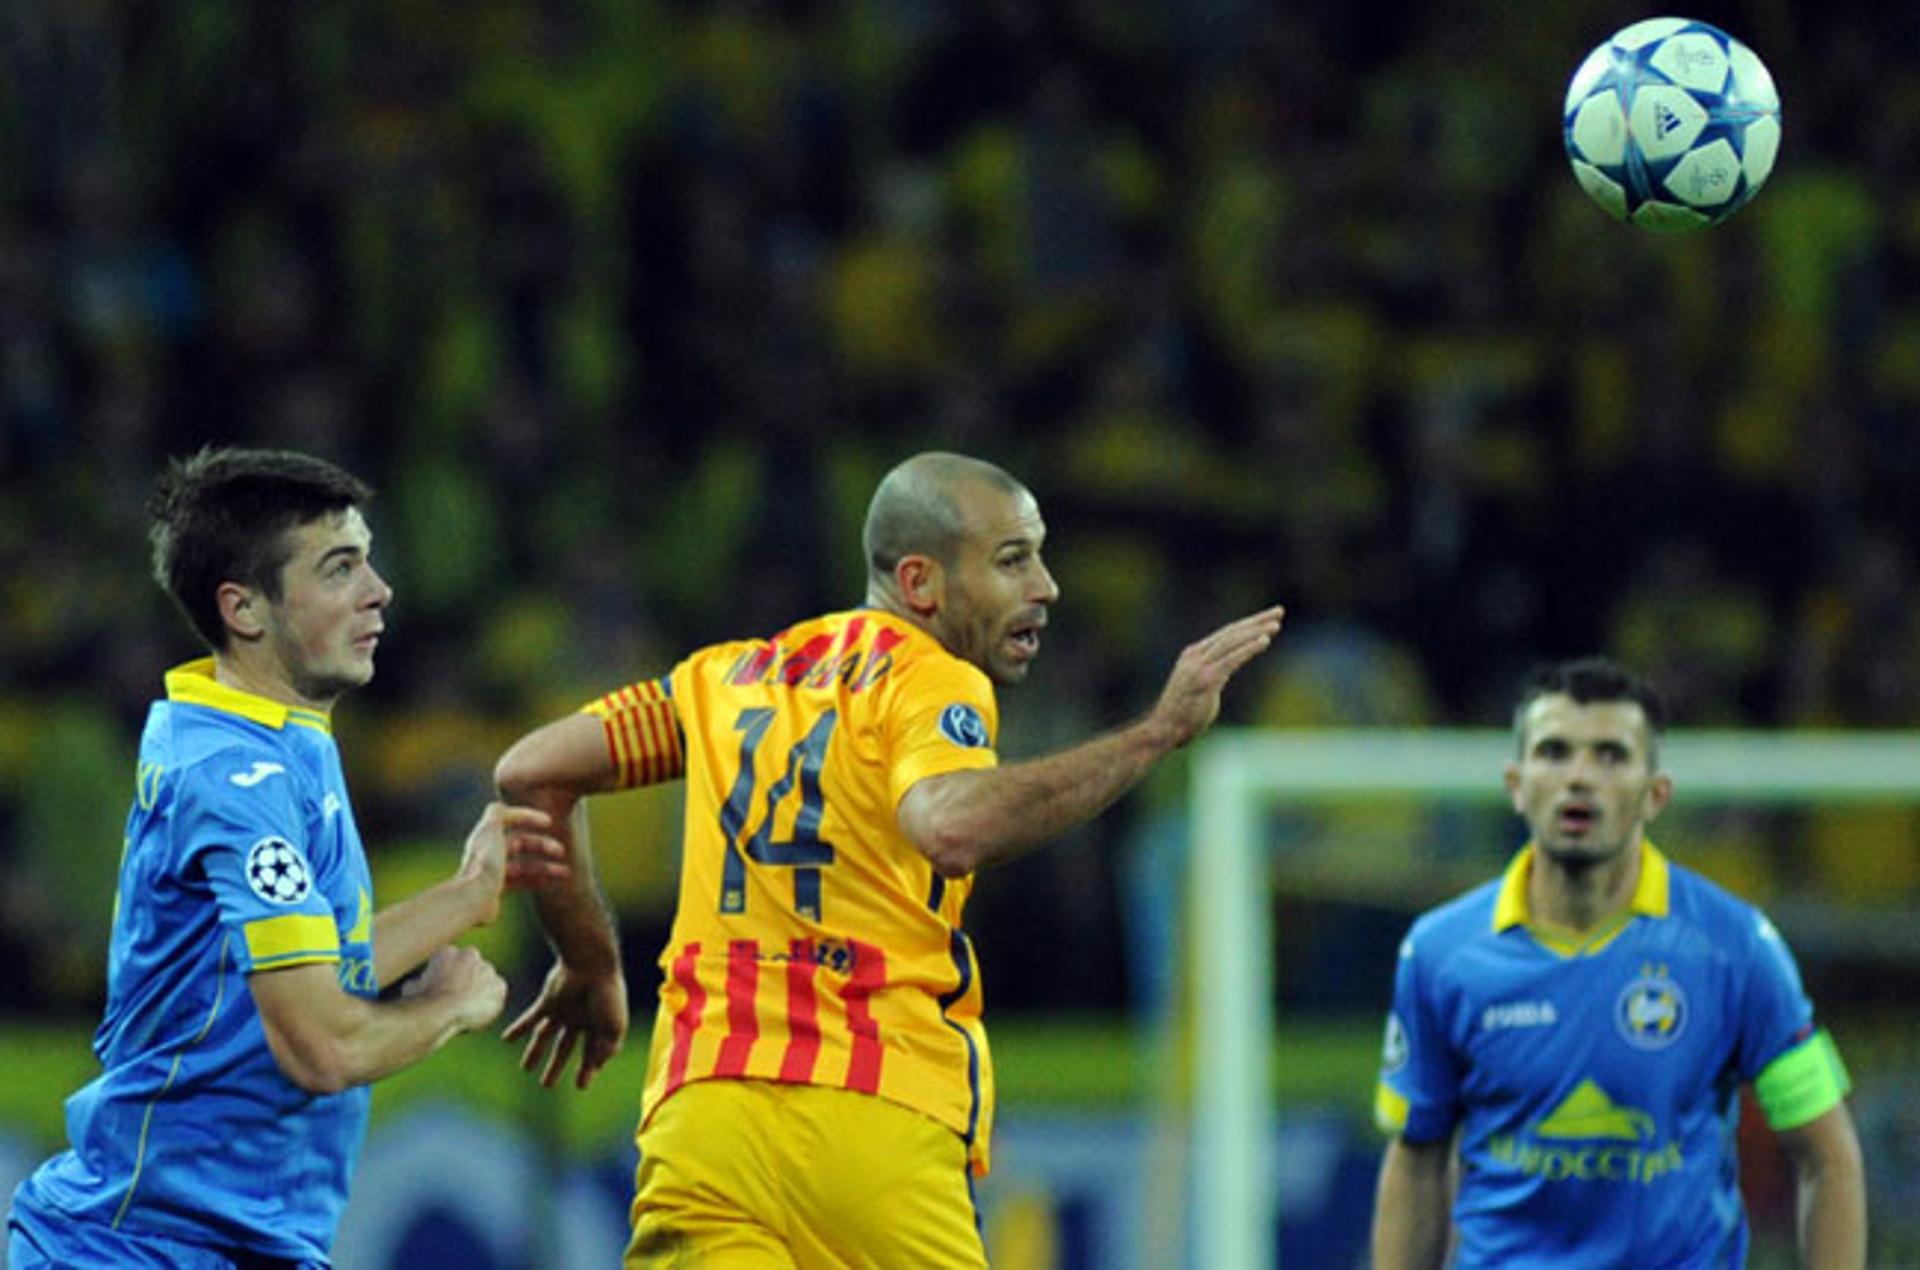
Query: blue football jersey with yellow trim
[241, 856]
[1595, 1086]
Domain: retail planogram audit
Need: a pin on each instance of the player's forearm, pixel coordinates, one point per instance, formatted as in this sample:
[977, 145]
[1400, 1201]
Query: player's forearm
[1410, 1210]
[405, 934]
[1833, 1216]
[326, 1040]
[965, 820]
[1408, 1241]
[555, 768]
[396, 1034]
[1832, 1208]
[573, 913]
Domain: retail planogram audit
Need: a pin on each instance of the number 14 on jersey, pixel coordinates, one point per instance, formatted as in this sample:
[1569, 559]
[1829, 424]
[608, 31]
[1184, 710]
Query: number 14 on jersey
[803, 852]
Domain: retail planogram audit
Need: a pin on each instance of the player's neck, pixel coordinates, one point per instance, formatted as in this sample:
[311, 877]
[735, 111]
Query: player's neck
[1580, 897]
[249, 670]
[887, 601]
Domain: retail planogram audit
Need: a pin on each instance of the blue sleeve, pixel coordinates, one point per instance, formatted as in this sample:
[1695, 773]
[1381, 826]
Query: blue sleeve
[1419, 1072]
[240, 825]
[1774, 1012]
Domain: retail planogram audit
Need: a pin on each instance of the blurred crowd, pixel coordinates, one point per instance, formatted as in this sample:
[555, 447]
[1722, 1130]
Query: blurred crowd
[623, 305]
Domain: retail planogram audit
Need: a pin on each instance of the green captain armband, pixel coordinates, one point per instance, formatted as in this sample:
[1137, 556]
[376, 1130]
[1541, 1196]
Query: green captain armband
[1804, 1083]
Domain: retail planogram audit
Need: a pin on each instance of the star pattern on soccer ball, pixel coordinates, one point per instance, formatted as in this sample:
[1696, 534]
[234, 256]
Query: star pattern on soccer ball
[277, 872]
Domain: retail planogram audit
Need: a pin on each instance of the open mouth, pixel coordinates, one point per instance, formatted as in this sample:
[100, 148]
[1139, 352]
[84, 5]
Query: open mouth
[1576, 818]
[1025, 639]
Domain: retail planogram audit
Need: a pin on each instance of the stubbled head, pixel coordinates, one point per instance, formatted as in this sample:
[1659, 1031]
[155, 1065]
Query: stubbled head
[953, 543]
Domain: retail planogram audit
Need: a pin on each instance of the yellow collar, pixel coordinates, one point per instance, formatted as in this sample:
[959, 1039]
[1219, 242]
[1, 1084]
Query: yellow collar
[1650, 894]
[193, 684]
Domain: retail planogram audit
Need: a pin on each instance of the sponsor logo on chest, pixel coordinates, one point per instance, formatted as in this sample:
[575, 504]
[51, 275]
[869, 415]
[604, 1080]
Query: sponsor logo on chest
[1508, 1015]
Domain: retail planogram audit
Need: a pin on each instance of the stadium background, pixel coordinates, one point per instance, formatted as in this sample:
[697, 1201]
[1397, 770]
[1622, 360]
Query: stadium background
[624, 306]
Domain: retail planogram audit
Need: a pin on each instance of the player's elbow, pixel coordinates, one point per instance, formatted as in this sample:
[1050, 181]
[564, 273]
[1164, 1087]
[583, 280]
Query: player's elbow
[525, 777]
[321, 1080]
[552, 766]
[317, 1072]
[952, 851]
[940, 817]
[518, 774]
[316, 1063]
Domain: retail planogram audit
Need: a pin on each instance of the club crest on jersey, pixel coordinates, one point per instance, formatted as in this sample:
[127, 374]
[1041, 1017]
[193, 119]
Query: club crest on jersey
[962, 724]
[277, 872]
[1652, 1011]
[1394, 1049]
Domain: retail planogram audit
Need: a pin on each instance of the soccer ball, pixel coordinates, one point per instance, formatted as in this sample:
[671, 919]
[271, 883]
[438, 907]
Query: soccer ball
[1672, 124]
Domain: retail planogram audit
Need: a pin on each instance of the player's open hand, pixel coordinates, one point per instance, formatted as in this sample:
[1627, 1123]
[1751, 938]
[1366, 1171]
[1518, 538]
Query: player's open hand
[572, 1008]
[1190, 702]
[511, 849]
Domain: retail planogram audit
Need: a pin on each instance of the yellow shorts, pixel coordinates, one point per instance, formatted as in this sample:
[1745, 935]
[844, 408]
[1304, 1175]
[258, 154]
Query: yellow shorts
[751, 1175]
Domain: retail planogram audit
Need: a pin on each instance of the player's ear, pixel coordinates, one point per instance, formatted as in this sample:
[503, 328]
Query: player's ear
[922, 583]
[242, 609]
[1659, 793]
[1512, 777]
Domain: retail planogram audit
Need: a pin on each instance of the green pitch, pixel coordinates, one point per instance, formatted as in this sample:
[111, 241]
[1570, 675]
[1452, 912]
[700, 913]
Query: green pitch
[1072, 1064]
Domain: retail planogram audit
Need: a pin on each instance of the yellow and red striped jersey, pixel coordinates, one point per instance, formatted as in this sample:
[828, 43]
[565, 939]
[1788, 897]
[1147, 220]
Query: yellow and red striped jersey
[813, 942]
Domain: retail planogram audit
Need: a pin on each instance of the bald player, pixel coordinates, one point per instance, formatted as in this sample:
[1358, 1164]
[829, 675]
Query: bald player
[819, 1090]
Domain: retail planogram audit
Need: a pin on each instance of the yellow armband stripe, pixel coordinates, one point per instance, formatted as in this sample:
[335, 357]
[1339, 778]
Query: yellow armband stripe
[643, 734]
[288, 941]
[1389, 1109]
[1804, 1083]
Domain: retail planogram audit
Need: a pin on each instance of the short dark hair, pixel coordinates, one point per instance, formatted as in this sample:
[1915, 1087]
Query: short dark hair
[914, 510]
[1587, 680]
[223, 515]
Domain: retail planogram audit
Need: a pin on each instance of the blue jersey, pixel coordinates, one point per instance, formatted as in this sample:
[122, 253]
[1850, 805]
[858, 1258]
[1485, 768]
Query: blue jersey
[241, 856]
[1595, 1088]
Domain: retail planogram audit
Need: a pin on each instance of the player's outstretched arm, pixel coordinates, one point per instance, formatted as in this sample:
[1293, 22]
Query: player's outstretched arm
[1410, 1220]
[326, 1040]
[963, 820]
[553, 768]
[583, 1003]
[509, 848]
[1190, 702]
[1833, 1190]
